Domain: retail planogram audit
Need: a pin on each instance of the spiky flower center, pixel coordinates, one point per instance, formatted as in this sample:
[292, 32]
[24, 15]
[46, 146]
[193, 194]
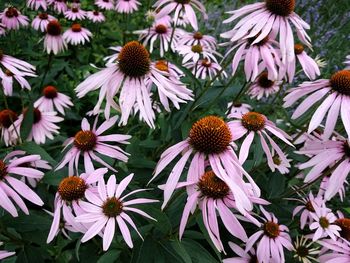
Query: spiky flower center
[253, 121]
[280, 7]
[206, 63]
[271, 229]
[162, 65]
[210, 135]
[54, 28]
[344, 224]
[197, 49]
[50, 92]
[75, 9]
[72, 188]
[76, 27]
[309, 206]
[340, 82]
[161, 29]
[298, 49]
[134, 60]
[112, 207]
[85, 140]
[7, 117]
[183, 2]
[198, 35]
[302, 251]
[11, 12]
[43, 16]
[212, 186]
[324, 223]
[96, 13]
[3, 170]
[264, 81]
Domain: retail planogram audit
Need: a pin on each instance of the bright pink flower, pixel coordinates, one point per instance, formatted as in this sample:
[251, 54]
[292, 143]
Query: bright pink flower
[71, 191]
[166, 7]
[270, 18]
[108, 207]
[324, 222]
[263, 86]
[127, 6]
[36, 4]
[105, 4]
[13, 19]
[89, 141]
[60, 6]
[41, 21]
[244, 257]
[273, 237]
[77, 35]
[9, 135]
[95, 16]
[331, 153]
[253, 123]
[75, 14]
[204, 68]
[53, 40]
[337, 251]
[210, 140]
[335, 93]
[53, 100]
[11, 187]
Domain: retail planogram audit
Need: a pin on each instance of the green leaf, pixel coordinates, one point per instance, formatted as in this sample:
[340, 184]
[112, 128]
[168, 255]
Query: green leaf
[33, 148]
[27, 123]
[198, 253]
[181, 251]
[110, 256]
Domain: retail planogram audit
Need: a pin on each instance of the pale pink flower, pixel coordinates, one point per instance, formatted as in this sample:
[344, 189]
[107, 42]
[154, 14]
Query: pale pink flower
[7, 120]
[77, 35]
[75, 13]
[325, 184]
[41, 21]
[209, 141]
[197, 52]
[337, 251]
[324, 222]
[281, 165]
[257, 56]
[270, 18]
[108, 207]
[88, 141]
[7, 80]
[59, 6]
[53, 100]
[68, 198]
[36, 4]
[332, 153]
[197, 38]
[54, 40]
[167, 7]
[5, 254]
[204, 68]
[12, 18]
[161, 32]
[272, 238]
[237, 109]
[335, 93]
[244, 257]
[263, 87]
[11, 187]
[95, 16]
[44, 125]
[253, 123]
[131, 74]
[127, 6]
[347, 62]
[105, 4]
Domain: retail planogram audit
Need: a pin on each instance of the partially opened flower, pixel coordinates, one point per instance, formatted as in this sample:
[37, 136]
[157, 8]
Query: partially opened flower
[8, 134]
[335, 93]
[105, 4]
[263, 87]
[95, 16]
[270, 17]
[209, 141]
[324, 223]
[197, 38]
[59, 6]
[15, 189]
[8, 79]
[254, 123]
[53, 100]
[36, 4]
[109, 208]
[75, 13]
[12, 18]
[335, 251]
[77, 35]
[166, 7]
[127, 6]
[71, 191]
[89, 141]
[204, 68]
[197, 52]
[44, 125]
[304, 250]
[270, 240]
[54, 40]
[41, 21]
[244, 256]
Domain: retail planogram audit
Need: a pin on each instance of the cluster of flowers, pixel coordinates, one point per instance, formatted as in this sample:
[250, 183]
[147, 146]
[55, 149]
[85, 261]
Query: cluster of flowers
[216, 181]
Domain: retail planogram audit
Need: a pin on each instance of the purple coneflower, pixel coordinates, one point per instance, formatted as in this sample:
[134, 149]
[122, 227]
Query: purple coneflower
[59, 6]
[324, 222]
[244, 256]
[204, 68]
[127, 6]
[105, 4]
[304, 250]
[197, 38]
[5, 254]
[77, 35]
[95, 16]
[54, 40]
[334, 251]
[75, 13]
[197, 52]
[36, 4]
[237, 109]
[7, 80]
[41, 21]
[7, 120]
[263, 87]
[13, 19]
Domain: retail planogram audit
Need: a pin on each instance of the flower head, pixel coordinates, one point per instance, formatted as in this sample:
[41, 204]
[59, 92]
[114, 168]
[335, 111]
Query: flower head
[127, 6]
[77, 35]
[12, 18]
[95, 16]
[324, 223]
[53, 39]
[41, 21]
[263, 87]
[36, 4]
